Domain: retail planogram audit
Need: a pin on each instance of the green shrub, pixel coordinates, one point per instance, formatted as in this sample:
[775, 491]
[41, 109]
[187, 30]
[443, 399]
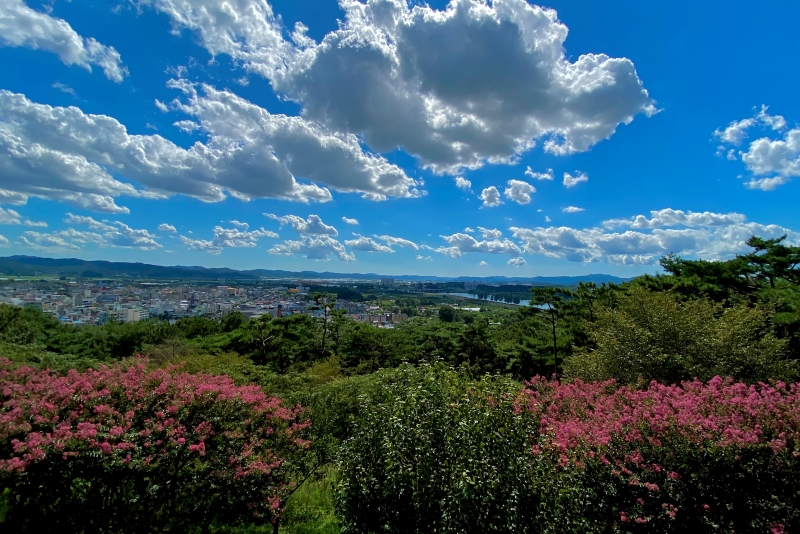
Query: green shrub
[433, 451]
[653, 336]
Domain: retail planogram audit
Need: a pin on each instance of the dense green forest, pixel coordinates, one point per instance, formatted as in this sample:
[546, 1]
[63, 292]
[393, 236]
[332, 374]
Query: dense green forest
[447, 386]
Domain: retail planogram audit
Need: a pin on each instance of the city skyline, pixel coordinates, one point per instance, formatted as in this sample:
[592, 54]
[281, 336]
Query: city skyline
[459, 138]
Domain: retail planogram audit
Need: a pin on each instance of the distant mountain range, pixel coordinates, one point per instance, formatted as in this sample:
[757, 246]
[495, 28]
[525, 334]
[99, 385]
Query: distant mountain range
[73, 267]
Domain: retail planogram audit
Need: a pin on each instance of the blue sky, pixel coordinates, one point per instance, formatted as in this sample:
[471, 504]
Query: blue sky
[449, 138]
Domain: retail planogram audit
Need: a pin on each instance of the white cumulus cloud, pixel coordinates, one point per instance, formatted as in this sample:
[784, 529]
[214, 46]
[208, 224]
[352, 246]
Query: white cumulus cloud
[311, 226]
[125, 236]
[64, 154]
[399, 241]
[672, 217]
[239, 237]
[572, 181]
[46, 242]
[519, 191]
[772, 160]
[88, 221]
[487, 233]
[571, 209]
[321, 247]
[350, 221]
[705, 235]
[459, 244]
[499, 81]
[366, 244]
[21, 26]
[463, 183]
[164, 227]
[10, 217]
[737, 131]
[490, 197]
[547, 175]
[765, 184]
[113, 234]
[517, 262]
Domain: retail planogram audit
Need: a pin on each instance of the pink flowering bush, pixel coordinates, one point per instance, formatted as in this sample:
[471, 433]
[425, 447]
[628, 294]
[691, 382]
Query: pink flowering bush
[130, 449]
[700, 457]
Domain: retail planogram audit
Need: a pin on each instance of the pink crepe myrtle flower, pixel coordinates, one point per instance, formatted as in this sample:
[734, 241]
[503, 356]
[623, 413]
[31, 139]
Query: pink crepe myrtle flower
[639, 438]
[139, 419]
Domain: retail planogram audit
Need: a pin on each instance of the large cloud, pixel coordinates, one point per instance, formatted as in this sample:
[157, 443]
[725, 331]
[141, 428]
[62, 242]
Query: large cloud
[477, 82]
[706, 235]
[636, 240]
[22, 26]
[245, 30]
[64, 154]
[265, 152]
[771, 161]
[57, 172]
[671, 217]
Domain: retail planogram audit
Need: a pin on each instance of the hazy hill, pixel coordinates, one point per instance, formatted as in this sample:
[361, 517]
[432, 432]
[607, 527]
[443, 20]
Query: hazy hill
[73, 267]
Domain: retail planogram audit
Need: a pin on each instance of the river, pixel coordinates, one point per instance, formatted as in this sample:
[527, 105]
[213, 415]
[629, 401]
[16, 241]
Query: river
[472, 296]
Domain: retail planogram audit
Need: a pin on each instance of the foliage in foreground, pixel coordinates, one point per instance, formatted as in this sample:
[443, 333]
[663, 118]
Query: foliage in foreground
[718, 456]
[441, 453]
[436, 452]
[124, 449]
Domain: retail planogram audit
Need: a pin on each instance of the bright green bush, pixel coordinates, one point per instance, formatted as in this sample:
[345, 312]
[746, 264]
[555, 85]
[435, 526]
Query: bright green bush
[653, 336]
[433, 451]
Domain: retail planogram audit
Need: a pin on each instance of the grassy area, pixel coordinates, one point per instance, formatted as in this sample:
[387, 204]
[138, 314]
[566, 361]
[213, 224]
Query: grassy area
[310, 510]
